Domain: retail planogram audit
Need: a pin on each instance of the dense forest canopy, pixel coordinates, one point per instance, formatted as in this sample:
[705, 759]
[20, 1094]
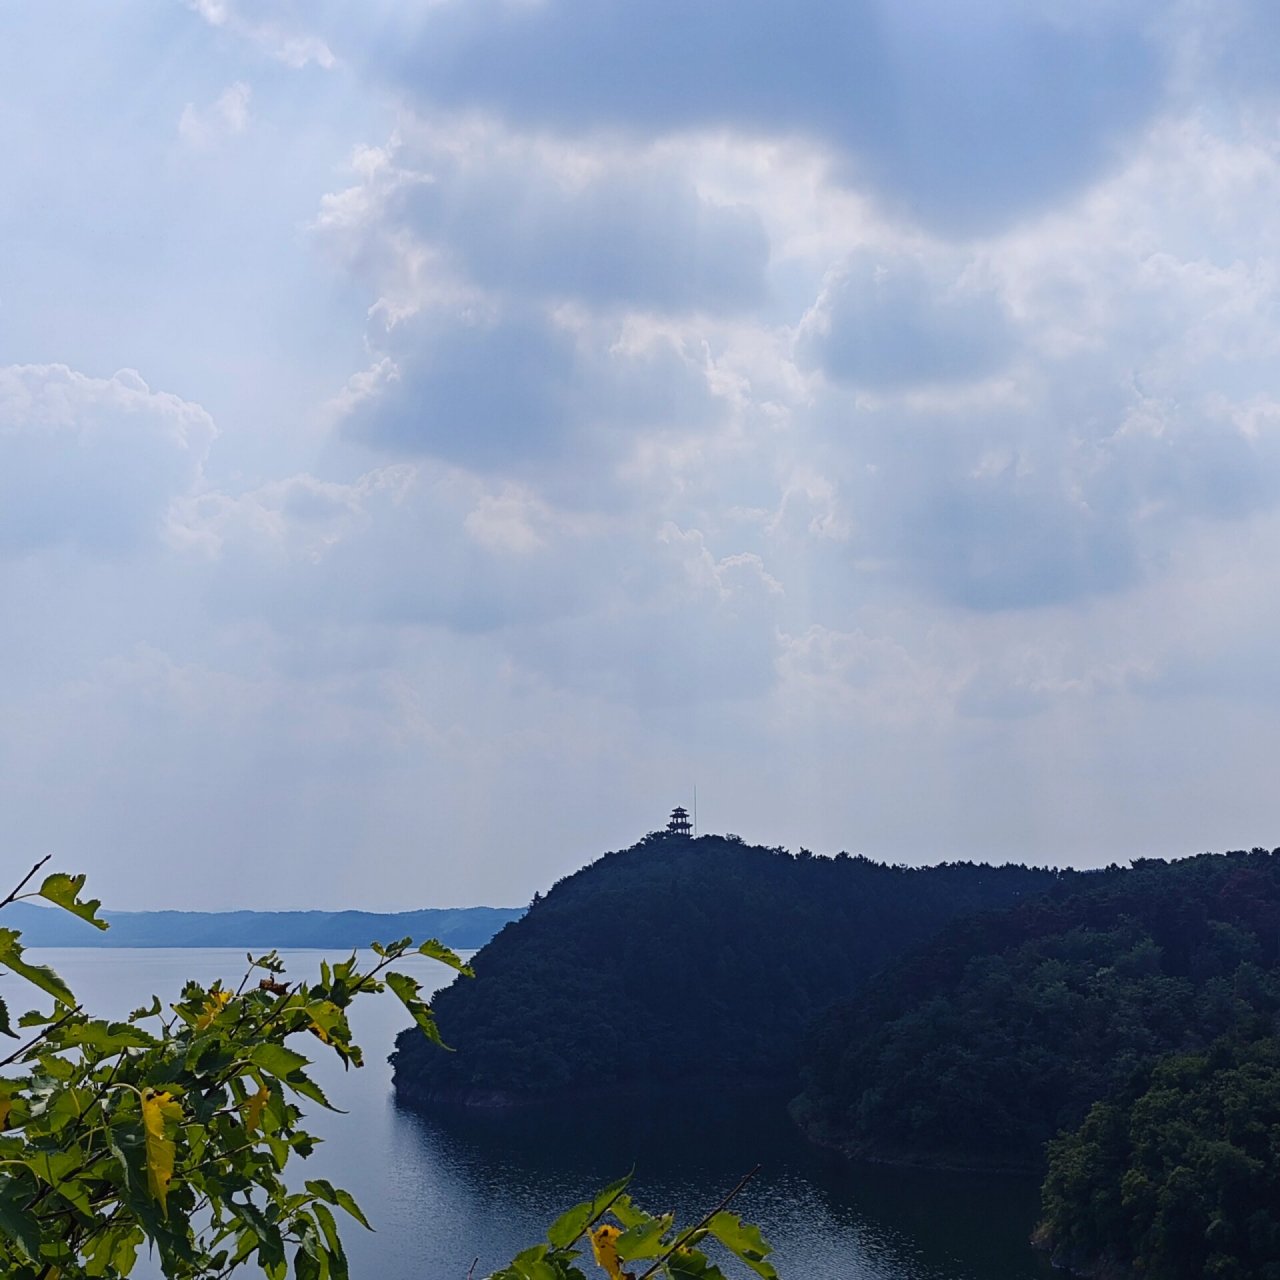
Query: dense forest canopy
[593, 987]
[1135, 1022]
[1117, 1028]
[1179, 1176]
[980, 1046]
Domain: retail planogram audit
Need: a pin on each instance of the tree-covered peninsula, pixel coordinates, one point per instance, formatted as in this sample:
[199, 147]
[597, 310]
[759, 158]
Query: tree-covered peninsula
[1131, 1026]
[684, 963]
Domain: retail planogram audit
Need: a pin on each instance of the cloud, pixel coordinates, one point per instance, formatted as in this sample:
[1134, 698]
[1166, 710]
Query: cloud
[884, 321]
[1004, 540]
[522, 216]
[1055, 499]
[630, 232]
[674, 624]
[404, 546]
[869, 410]
[286, 41]
[226, 116]
[92, 463]
[522, 394]
[1050, 417]
[609, 606]
[963, 118]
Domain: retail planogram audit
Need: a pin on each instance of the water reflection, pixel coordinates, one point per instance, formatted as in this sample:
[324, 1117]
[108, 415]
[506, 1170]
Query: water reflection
[828, 1220]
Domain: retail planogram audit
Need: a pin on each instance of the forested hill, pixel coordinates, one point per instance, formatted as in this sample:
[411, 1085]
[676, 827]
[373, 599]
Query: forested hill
[459, 927]
[984, 1043]
[1150, 1004]
[683, 960]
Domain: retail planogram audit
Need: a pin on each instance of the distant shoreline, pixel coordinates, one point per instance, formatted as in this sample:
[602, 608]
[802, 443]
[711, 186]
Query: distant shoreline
[461, 927]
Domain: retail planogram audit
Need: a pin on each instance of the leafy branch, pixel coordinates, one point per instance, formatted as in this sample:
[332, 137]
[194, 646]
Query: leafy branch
[172, 1131]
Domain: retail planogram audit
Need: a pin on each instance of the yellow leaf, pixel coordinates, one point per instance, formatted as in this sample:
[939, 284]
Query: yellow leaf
[213, 1006]
[254, 1107]
[604, 1244]
[317, 1030]
[156, 1109]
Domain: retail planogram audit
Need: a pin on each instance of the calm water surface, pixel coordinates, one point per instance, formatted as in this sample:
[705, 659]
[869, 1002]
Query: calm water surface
[443, 1191]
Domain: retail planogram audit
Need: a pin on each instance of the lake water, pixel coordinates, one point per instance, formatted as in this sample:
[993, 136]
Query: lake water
[444, 1190]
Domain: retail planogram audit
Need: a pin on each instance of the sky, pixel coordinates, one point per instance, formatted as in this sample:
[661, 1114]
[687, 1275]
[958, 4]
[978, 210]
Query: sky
[438, 435]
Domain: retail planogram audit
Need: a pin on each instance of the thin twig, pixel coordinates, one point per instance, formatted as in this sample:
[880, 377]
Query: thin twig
[248, 973]
[698, 1226]
[471, 1270]
[23, 882]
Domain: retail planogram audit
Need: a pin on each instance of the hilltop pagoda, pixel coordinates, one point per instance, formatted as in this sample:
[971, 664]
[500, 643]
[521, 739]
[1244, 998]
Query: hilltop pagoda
[679, 824]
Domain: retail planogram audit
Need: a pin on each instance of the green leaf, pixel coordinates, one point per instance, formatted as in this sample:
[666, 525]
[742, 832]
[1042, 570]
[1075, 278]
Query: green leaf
[391, 950]
[67, 1106]
[125, 1142]
[116, 1247]
[533, 1264]
[146, 1011]
[5, 1028]
[690, 1264]
[338, 1267]
[276, 1060]
[628, 1212]
[406, 989]
[570, 1224]
[287, 1066]
[271, 962]
[436, 950]
[644, 1240]
[266, 1234]
[38, 975]
[744, 1241]
[15, 1222]
[302, 1083]
[64, 891]
[126, 1252]
[324, 1190]
[106, 1037]
[310, 1260]
[330, 1024]
[573, 1222]
[306, 1266]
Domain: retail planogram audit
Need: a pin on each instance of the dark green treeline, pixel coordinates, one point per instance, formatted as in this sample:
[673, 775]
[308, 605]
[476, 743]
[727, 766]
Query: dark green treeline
[682, 962]
[1131, 1026]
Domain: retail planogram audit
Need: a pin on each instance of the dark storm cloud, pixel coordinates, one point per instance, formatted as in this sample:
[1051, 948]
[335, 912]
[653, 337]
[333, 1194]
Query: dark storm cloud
[963, 116]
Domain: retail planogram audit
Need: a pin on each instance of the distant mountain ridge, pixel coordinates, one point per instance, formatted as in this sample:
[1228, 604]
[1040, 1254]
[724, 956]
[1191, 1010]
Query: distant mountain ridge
[459, 927]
